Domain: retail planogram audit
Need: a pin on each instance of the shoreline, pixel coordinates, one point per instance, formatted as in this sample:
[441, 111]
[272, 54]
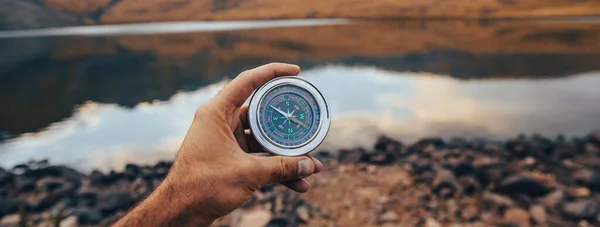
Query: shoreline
[526, 179]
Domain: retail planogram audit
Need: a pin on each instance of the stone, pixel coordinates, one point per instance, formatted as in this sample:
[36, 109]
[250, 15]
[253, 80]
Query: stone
[517, 216]
[520, 185]
[586, 209]
[350, 156]
[553, 199]
[54, 191]
[24, 185]
[87, 216]
[379, 158]
[430, 222]
[70, 221]
[6, 179]
[387, 217]
[578, 192]
[55, 171]
[87, 198]
[303, 213]
[444, 184]
[388, 145]
[371, 169]
[284, 221]
[470, 212]
[10, 220]
[529, 161]
[110, 202]
[463, 168]
[538, 213]
[97, 178]
[255, 218]
[588, 178]
[500, 201]
[421, 166]
[435, 141]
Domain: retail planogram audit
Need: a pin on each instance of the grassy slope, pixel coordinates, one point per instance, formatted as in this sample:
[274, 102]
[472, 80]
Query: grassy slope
[127, 11]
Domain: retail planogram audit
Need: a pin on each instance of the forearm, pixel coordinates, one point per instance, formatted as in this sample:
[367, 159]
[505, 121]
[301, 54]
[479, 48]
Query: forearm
[166, 206]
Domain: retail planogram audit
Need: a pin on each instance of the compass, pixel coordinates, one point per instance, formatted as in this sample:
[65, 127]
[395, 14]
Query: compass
[289, 116]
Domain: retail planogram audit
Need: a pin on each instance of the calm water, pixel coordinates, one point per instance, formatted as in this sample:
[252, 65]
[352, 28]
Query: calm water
[102, 101]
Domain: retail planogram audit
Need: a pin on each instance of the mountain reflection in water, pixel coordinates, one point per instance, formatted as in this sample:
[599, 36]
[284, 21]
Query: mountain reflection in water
[100, 102]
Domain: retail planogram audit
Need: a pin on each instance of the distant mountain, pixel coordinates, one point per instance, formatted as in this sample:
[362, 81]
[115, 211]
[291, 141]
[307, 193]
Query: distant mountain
[22, 14]
[48, 13]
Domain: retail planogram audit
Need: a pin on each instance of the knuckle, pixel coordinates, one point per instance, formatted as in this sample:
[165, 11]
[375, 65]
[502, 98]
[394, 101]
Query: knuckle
[284, 169]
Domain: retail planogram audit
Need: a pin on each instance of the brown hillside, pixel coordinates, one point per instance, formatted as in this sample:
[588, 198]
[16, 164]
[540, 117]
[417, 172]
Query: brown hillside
[127, 11]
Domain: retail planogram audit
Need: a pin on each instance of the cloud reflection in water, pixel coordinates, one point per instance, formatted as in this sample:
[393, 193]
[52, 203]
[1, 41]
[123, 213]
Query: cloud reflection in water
[365, 102]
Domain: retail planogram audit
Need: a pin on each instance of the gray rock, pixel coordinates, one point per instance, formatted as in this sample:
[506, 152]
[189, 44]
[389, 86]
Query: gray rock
[283, 221]
[303, 213]
[469, 212]
[588, 178]
[520, 185]
[538, 213]
[6, 179]
[500, 201]
[553, 199]
[87, 216]
[517, 217]
[111, 202]
[586, 209]
[444, 184]
[387, 217]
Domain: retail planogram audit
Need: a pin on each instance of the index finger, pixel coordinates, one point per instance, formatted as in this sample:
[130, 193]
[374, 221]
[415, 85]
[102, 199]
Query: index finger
[240, 88]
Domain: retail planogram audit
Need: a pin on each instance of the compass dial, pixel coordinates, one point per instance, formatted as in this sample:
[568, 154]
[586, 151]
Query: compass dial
[289, 116]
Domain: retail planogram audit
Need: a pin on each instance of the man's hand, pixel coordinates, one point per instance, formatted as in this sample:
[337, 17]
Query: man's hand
[213, 172]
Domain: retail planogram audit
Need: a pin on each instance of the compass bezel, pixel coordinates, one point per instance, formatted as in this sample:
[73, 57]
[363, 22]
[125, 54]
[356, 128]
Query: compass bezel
[272, 146]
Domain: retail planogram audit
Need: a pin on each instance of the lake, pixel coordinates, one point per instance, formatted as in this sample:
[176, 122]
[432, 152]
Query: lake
[97, 99]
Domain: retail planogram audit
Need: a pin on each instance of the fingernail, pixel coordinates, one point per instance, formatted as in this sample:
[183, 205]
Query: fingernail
[305, 168]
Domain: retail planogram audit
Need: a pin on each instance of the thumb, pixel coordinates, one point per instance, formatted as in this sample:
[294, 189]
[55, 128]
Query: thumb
[281, 168]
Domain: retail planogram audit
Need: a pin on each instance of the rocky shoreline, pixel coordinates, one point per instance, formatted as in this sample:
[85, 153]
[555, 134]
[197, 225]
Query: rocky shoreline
[523, 181]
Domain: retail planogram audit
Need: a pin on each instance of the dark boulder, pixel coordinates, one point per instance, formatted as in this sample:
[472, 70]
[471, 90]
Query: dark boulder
[378, 158]
[581, 210]
[52, 191]
[388, 145]
[132, 171]
[421, 166]
[6, 179]
[98, 178]
[87, 199]
[350, 156]
[462, 168]
[438, 143]
[588, 178]
[112, 202]
[490, 173]
[445, 184]
[87, 216]
[284, 221]
[24, 185]
[55, 171]
[323, 155]
[520, 185]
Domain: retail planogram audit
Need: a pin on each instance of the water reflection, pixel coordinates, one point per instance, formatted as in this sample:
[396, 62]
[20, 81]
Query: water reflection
[365, 101]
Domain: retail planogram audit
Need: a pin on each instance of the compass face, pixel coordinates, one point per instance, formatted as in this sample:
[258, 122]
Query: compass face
[288, 116]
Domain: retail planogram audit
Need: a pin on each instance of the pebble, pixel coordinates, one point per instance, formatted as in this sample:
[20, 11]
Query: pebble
[578, 192]
[303, 213]
[389, 216]
[517, 216]
[256, 218]
[586, 209]
[538, 213]
[470, 212]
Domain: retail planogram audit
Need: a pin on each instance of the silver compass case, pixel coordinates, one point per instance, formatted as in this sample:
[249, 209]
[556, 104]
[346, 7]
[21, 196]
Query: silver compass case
[258, 112]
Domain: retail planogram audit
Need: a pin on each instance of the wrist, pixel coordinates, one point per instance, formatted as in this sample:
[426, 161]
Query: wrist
[178, 204]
